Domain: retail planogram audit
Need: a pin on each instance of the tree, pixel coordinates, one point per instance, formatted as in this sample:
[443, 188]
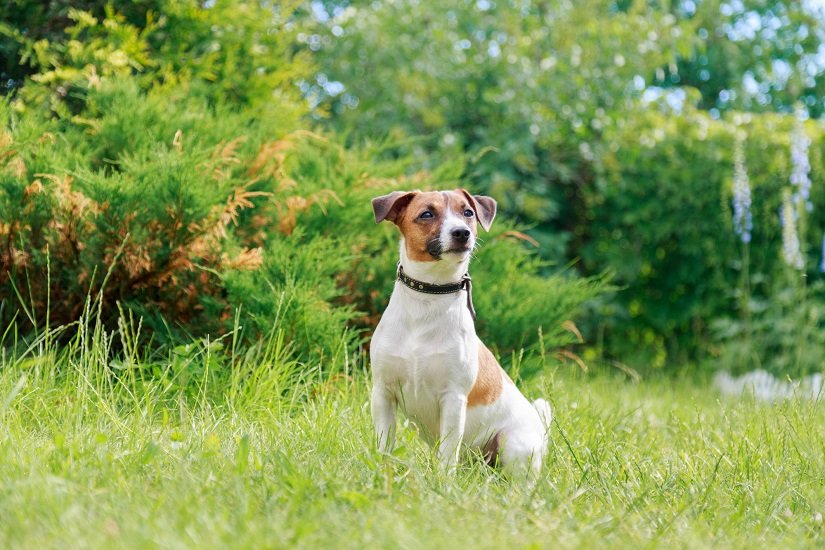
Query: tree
[753, 55]
[525, 89]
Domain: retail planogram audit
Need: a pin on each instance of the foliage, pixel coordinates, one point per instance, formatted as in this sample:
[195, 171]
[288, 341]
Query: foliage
[153, 228]
[783, 332]
[753, 55]
[237, 53]
[169, 136]
[141, 215]
[661, 219]
[557, 109]
[27, 27]
[199, 207]
[521, 88]
[332, 248]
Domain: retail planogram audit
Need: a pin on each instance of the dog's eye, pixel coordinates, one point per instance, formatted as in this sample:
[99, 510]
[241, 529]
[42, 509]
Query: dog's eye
[426, 215]
[468, 213]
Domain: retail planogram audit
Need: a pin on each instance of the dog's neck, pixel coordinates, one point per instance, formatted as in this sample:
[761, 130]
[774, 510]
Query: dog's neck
[449, 269]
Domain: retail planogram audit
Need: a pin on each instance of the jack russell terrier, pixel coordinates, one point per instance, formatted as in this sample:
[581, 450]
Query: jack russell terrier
[425, 354]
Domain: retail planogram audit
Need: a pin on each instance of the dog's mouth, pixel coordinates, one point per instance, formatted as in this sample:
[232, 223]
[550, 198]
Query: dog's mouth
[434, 248]
[464, 249]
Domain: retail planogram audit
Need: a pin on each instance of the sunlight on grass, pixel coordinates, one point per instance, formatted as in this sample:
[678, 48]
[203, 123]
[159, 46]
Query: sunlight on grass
[94, 459]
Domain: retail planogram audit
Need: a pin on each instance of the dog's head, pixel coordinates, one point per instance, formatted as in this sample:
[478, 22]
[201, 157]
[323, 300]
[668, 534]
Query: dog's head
[436, 225]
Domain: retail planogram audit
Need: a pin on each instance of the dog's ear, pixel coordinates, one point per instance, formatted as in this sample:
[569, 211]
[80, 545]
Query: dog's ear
[485, 208]
[387, 207]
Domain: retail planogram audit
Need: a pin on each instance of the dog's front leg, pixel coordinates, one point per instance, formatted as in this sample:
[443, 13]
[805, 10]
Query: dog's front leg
[453, 418]
[383, 417]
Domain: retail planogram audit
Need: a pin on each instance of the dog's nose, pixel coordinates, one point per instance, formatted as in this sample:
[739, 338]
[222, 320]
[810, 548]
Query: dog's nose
[461, 235]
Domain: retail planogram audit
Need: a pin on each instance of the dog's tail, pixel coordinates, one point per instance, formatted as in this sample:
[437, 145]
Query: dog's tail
[545, 412]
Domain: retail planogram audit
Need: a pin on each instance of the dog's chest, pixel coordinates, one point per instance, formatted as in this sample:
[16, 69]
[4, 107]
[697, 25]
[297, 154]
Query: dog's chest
[423, 348]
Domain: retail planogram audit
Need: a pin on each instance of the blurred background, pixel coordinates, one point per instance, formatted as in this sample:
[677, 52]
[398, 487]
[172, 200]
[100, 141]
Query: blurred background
[207, 167]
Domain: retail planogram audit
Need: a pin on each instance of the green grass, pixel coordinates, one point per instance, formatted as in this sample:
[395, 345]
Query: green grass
[281, 455]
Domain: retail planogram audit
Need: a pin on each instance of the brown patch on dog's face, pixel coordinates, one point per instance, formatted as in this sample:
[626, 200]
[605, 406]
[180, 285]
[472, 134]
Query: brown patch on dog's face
[489, 381]
[421, 217]
[421, 222]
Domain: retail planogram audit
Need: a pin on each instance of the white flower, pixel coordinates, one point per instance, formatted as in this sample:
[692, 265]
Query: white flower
[742, 219]
[800, 165]
[791, 251]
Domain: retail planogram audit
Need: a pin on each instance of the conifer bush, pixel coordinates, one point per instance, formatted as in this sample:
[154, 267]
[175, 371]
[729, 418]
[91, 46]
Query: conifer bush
[152, 219]
[158, 163]
[224, 218]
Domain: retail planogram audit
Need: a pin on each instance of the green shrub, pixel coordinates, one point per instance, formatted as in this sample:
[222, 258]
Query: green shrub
[155, 161]
[546, 99]
[660, 217]
[153, 218]
[237, 53]
[184, 227]
[337, 250]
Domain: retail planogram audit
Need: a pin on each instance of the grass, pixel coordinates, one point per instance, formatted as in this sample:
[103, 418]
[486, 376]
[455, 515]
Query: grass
[94, 455]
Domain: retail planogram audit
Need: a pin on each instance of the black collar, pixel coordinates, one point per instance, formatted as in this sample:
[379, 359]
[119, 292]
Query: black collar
[466, 283]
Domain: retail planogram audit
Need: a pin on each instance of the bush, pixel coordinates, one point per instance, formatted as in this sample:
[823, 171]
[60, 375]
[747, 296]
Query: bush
[236, 53]
[106, 199]
[660, 217]
[183, 213]
[163, 147]
[546, 99]
[336, 249]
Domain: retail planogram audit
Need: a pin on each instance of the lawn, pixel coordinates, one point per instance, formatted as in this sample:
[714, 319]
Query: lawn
[91, 455]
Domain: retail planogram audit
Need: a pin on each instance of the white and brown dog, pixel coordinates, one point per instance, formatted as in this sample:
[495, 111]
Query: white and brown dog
[426, 357]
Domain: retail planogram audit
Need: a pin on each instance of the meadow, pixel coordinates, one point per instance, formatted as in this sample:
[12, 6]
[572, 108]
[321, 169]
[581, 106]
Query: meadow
[94, 455]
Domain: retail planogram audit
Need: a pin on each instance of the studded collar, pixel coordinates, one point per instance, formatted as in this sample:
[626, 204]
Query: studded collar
[466, 283]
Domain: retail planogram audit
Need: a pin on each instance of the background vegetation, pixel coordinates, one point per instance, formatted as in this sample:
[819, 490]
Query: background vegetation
[161, 163]
[184, 161]
[608, 130]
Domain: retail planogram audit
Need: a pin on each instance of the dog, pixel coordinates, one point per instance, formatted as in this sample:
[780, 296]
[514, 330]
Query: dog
[425, 354]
